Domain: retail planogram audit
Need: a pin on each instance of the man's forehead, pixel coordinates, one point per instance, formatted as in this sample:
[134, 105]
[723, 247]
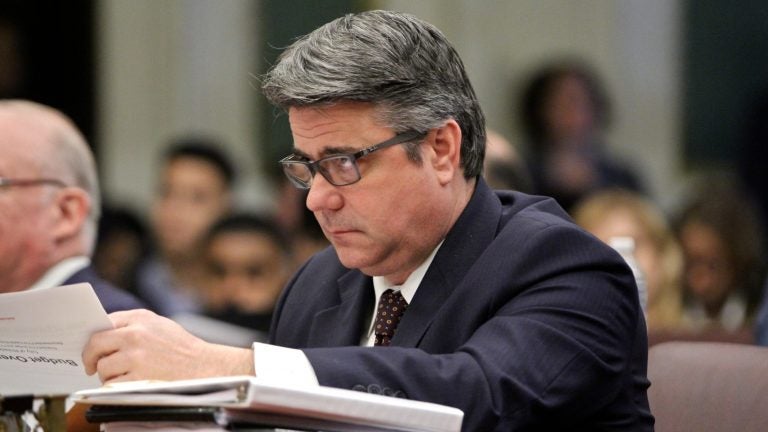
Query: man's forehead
[306, 118]
[309, 122]
[16, 158]
[332, 128]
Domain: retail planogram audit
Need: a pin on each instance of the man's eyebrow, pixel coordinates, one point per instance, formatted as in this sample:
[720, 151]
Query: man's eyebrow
[339, 150]
[327, 151]
[299, 154]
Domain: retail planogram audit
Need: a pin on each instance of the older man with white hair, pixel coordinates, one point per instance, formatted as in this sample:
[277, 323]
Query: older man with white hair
[49, 204]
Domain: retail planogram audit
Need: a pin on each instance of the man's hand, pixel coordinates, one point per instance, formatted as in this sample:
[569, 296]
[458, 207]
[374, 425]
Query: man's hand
[144, 345]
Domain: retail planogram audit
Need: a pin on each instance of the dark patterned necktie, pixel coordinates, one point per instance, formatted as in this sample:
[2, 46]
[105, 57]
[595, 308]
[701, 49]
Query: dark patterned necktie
[391, 308]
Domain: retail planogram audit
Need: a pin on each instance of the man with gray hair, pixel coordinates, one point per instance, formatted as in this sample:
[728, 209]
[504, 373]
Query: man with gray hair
[49, 204]
[436, 288]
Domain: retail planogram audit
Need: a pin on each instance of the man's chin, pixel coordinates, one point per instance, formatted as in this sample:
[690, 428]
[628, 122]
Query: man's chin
[353, 258]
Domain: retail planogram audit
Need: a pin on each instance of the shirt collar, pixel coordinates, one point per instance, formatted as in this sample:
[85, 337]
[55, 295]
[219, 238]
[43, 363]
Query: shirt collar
[60, 272]
[408, 288]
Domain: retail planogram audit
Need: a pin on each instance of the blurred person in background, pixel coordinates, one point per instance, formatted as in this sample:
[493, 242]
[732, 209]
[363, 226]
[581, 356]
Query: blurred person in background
[761, 320]
[49, 204]
[298, 223]
[563, 114]
[621, 213]
[504, 166]
[247, 261]
[121, 245]
[194, 190]
[721, 237]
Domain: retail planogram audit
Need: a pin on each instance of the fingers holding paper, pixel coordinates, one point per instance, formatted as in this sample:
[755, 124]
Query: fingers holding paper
[144, 346]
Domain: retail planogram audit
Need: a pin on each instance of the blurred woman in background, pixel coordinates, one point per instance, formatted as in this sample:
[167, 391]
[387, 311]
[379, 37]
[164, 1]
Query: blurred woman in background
[621, 213]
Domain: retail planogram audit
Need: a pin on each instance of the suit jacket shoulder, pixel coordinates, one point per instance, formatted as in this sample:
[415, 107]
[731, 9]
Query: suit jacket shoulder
[112, 298]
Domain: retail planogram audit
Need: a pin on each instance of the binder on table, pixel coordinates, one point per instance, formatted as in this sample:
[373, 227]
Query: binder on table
[245, 402]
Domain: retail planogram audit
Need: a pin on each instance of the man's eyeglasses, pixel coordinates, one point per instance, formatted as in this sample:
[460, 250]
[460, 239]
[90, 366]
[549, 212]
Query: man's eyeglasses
[12, 182]
[340, 169]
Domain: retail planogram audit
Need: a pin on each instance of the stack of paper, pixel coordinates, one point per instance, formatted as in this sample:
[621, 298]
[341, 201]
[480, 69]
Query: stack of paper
[245, 400]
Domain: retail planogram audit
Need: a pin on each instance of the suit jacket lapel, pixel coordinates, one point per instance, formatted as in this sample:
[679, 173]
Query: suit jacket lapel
[342, 324]
[467, 240]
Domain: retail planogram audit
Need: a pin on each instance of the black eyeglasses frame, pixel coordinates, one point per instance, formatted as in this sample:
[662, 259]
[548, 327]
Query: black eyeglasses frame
[317, 166]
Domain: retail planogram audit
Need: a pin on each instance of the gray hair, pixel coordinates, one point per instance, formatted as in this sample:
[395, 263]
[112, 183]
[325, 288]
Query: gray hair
[77, 160]
[401, 64]
[71, 157]
[64, 154]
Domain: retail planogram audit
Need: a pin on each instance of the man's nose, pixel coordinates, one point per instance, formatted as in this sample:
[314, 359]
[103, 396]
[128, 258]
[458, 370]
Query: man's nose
[323, 195]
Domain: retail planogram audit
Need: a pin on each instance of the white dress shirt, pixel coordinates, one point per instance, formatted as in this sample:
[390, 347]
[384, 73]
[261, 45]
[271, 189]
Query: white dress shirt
[60, 272]
[291, 366]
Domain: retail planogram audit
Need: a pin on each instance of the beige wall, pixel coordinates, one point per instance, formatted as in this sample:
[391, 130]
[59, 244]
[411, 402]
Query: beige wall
[171, 66]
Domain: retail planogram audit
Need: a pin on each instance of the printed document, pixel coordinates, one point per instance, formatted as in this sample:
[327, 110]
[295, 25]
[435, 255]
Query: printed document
[42, 335]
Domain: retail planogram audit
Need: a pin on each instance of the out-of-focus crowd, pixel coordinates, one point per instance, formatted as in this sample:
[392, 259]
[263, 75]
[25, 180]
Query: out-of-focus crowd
[700, 261]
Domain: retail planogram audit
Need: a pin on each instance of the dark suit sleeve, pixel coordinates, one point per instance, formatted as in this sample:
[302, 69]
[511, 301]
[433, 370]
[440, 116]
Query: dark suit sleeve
[545, 338]
[112, 298]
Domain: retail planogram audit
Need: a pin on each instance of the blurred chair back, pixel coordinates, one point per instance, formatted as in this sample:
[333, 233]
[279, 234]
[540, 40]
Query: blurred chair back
[744, 335]
[708, 386]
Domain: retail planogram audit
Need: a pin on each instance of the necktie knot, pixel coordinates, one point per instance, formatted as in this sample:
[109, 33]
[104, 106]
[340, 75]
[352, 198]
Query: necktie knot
[392, 304]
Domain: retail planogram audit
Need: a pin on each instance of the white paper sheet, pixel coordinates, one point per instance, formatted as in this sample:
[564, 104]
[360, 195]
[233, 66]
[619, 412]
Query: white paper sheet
[42, 335]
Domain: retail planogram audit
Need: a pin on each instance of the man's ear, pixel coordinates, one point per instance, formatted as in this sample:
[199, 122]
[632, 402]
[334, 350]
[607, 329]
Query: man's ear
[445, 152]
[72, 207]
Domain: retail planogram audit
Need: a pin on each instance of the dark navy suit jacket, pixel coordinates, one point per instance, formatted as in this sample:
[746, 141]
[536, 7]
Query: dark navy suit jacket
[112, 298]
[523, 321]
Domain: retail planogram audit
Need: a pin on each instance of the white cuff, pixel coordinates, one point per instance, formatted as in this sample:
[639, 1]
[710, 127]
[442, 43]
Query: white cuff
[284, 365]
